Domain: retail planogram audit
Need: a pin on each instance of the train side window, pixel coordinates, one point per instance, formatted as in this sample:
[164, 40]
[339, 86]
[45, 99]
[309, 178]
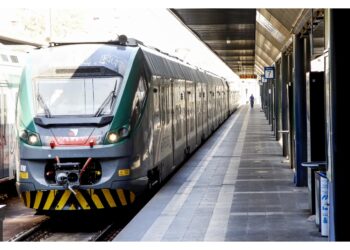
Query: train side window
[4, 58]
[14, 59]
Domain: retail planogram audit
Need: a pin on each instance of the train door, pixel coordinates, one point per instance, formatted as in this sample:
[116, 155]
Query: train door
[156, 120]
[205, 109]
[217, 107]
[198, 112]
[218, 100]
[3, 110]
[166, 150]
[179, 121]
[224, 101]
[190, 116]
[211, 107]
[221, 90]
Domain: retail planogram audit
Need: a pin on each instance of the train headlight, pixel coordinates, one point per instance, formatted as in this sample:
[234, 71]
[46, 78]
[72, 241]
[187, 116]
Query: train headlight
[30, 138]
[33, 139]
[118, 135]
[112, 137]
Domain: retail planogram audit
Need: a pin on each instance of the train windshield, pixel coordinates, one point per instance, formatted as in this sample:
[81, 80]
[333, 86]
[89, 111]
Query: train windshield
[76, 96]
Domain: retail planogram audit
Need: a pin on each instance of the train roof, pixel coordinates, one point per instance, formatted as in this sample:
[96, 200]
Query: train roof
[160, 63]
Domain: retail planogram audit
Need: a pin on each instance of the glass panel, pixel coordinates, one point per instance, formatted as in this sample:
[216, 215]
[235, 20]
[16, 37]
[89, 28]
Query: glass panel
[75, 96]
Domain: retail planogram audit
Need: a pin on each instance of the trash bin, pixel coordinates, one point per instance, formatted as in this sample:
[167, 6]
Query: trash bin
[324, 203]
[318, 190]
[317, 200]
[2, 217]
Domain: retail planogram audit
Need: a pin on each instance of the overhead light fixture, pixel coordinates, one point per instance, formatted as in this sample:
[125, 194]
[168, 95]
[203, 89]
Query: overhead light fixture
[228, 41]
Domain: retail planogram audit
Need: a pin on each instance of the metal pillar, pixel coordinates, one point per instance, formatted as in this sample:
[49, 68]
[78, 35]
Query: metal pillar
[290, 111]
[270, 101]
[273, 106]
[278, 101]
[337, 98]
[2, 217]
[284, 106]
[316, 149]
[299, 100]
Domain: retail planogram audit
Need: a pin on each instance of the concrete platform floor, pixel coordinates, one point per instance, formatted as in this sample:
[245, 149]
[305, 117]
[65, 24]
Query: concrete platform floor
[236, 187]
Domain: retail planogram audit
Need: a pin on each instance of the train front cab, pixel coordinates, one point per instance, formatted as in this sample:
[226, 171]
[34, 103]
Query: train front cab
[86, 151]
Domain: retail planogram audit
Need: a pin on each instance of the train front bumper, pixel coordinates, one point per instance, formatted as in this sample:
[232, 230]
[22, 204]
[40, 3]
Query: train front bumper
[83, 199]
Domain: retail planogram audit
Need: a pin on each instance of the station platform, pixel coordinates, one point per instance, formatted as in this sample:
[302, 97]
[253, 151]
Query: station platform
[236, 187]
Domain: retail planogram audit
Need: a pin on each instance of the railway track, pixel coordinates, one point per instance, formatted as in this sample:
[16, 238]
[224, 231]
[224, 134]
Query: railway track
[75, 227]
[82, 225]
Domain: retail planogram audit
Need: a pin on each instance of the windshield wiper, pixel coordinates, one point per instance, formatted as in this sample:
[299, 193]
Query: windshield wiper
[43, 105]
[110, 99]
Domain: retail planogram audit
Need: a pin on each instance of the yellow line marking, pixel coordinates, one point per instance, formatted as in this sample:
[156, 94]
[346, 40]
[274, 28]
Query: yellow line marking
[109, 198]
[83, 203]
[49, 200]
[72, 207]
[96, 200]
[63, 200]
[122, 197]
[38, 197]
[28, 198]
[132, 197]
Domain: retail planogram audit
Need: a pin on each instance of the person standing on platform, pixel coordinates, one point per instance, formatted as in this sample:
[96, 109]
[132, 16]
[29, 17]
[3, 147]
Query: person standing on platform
[251, 98]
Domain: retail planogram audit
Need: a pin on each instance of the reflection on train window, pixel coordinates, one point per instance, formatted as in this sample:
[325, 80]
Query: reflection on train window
[83, 96]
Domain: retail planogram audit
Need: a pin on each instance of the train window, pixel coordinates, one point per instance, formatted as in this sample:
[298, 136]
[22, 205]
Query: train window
[14, 59]
[142, 89]
[4, 58]
[83, 96]
[139, 100]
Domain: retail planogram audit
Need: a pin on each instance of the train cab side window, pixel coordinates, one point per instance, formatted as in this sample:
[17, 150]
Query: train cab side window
[142, 90]
[139, 100]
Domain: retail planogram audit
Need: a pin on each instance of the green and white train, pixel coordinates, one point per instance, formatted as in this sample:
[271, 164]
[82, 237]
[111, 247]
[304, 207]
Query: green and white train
[11, 65]
[99, 123]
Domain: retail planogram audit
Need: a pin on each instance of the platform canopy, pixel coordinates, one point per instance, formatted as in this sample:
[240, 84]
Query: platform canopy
[248, 40]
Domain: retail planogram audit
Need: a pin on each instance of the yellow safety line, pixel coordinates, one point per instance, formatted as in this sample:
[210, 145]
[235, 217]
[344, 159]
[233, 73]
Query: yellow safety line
[72, 207]
[83, 203]
[109, 198]
[63, 200]
[49, 200]
[28, 198]
[132, 197]
[96, 200]
[121, 196]
[38, 197]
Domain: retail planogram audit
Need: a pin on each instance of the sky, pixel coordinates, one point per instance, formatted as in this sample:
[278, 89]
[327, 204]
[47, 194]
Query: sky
[155, 27]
